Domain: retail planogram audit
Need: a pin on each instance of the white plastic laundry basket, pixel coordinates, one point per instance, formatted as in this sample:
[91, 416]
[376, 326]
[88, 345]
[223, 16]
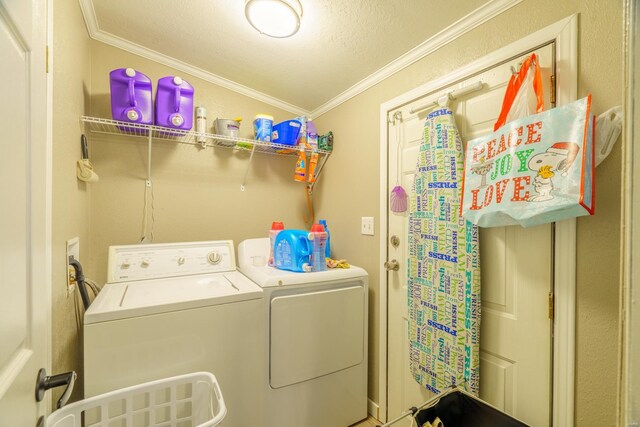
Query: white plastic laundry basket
[191, 400]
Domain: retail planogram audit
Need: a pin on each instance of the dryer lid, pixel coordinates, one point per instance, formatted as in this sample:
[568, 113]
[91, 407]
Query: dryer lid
[252, 260]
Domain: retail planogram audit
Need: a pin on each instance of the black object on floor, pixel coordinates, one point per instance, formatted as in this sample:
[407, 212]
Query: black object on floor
[458, 409]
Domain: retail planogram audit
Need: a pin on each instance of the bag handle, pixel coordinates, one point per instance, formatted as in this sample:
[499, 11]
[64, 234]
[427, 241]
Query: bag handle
[515, 82]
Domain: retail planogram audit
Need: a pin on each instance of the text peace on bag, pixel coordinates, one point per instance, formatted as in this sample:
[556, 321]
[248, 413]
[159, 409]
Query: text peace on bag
[533, 170]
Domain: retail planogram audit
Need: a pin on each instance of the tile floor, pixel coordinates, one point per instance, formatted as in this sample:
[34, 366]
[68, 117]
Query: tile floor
[369, 422]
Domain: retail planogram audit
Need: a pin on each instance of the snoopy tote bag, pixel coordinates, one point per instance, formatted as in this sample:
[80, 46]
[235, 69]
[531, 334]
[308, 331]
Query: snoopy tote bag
[533, 170]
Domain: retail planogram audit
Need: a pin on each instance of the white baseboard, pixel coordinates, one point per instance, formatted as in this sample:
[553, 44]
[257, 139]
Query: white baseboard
[373, 409]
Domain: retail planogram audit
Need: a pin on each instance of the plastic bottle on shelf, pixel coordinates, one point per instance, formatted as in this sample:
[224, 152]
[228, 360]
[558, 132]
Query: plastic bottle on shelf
[313, 163]
[312, 135]
[301, 166]
[323, 222]
[263, 125]
[276, 227]
[201, 125]
[318, 238]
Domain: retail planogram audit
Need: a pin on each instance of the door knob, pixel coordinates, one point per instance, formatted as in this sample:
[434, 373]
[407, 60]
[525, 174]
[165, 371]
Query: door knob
[45, 382]
[392, 265]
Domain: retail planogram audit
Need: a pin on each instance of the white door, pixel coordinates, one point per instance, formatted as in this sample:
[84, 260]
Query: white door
[24, 216]
[516, 263]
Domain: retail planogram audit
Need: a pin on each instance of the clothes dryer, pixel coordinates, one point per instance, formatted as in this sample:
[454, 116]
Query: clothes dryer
[316, 339]
[171, 309]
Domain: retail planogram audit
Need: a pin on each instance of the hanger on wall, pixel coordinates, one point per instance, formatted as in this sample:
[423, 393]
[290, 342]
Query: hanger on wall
[443, 101]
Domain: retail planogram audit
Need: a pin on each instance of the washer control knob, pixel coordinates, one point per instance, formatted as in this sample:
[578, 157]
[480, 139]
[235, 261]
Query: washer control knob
[181, 260]
[144, 263]
[125, 266]
[214, 258]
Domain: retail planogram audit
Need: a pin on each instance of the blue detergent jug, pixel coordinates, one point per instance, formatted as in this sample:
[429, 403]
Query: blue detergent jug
[292, 251]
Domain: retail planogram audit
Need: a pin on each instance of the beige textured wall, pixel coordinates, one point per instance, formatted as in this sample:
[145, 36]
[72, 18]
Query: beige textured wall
[354, 170]
[196, 192]
[71, 198]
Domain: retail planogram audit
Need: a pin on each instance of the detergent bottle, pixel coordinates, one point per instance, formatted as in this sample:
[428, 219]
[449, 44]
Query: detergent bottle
[313, 163]
[292, 251]
[301, 166]
[131, 99]
[174, 103]
[262, 125]
[318, 239]
[323, 222]
[312, 135]
[276, 227]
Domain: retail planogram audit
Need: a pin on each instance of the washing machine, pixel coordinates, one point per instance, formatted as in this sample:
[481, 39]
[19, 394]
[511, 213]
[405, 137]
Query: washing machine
[171, 309]
[316, 340]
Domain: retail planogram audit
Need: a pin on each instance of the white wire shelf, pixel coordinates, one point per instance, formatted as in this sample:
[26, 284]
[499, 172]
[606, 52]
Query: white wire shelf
[98, 125]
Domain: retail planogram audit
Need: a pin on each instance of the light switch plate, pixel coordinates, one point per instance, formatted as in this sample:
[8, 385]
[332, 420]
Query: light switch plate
[73, 249]
[367, 226]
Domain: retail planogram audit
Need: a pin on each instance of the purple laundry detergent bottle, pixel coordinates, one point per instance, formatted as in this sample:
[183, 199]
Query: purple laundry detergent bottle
[174, 103]
[131, 99]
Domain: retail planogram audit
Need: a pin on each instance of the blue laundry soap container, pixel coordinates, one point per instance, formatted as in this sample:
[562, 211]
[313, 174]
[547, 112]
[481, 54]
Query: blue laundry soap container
[292, 251]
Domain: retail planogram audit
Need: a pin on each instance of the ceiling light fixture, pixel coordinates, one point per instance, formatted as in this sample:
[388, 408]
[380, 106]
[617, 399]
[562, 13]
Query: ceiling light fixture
[274, 18]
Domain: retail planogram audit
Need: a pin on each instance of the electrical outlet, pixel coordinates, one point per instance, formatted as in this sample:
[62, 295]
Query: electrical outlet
[367, 226]
[73, 249]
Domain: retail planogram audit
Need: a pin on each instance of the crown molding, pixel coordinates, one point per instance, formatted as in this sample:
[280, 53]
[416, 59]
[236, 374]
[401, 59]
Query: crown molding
[96, 33]
[465, 24]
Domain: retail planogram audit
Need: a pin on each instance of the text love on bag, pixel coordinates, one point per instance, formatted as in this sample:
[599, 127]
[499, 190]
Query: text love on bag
[533, 170]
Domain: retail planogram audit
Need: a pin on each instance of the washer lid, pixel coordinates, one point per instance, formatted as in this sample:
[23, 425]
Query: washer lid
[145, 297]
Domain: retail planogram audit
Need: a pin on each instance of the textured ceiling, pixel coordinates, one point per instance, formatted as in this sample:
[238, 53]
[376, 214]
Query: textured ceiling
[340, 42]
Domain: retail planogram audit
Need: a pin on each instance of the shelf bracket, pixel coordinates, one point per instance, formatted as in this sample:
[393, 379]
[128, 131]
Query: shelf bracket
[246, 172]
[319, 168]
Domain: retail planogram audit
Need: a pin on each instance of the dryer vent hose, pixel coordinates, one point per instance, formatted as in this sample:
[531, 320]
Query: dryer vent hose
[80, 281]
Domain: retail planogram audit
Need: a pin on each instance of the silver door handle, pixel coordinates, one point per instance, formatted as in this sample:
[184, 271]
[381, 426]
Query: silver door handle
[45, 382]
[392, 265]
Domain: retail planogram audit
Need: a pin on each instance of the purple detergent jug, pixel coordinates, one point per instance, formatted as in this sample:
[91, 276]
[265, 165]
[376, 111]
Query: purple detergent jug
[131, 99]
[174, 103]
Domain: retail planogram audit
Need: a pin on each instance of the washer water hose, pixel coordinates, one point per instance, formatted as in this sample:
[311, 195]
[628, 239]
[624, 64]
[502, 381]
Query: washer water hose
[80, 281]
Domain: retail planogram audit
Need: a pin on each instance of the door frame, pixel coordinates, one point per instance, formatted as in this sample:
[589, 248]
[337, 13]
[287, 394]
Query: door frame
[629, 395]
[565, 35]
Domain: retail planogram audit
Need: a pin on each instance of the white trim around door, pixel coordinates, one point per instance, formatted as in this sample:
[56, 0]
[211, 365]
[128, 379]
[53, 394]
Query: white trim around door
[565, 35]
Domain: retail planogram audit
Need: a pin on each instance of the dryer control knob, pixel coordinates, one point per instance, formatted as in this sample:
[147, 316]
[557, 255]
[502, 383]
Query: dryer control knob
[214, 258]
[181, 260]
[144, 263]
